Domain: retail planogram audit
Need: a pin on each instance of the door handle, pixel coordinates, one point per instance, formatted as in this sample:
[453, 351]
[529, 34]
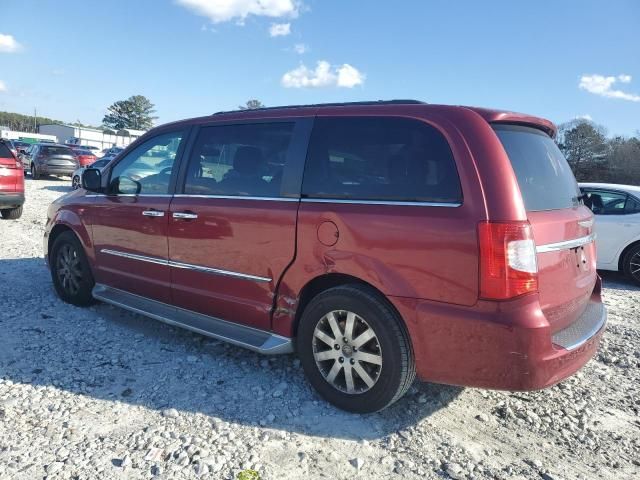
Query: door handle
[185, 215]
[153, 213]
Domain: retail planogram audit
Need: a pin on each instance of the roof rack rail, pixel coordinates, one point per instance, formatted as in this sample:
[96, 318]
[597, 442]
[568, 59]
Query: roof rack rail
[338, 104]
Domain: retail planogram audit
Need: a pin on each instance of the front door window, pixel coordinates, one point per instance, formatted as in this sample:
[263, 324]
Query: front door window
[148, 168]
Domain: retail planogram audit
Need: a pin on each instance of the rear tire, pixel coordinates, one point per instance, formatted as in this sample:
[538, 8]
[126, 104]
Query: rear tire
[70, 270]
[34, 172]
[354, 374]
[631, 264]
[11, 213]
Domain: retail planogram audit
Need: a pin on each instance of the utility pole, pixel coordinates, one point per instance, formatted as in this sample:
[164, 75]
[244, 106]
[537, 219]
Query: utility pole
[35, 120]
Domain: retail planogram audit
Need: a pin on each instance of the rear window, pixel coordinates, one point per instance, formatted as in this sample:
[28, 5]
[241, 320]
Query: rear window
[56, 151]
[544, 176]
[380, 159]
[4, 151]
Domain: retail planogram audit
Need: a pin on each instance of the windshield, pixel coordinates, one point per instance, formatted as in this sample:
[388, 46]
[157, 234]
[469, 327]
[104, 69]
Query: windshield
[544, 176]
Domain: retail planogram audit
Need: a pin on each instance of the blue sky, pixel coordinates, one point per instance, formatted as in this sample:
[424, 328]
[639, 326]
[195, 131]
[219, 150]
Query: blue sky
[557, 59]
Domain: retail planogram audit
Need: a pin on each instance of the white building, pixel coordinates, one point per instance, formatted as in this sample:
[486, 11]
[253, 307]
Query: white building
[25, 136]
[73, 135]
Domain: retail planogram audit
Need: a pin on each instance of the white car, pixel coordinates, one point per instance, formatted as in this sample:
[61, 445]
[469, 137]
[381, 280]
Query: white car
[617, 212]
[76, 178]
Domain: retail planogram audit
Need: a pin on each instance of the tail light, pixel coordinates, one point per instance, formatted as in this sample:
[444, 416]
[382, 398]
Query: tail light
[508, 264]
[10, 163]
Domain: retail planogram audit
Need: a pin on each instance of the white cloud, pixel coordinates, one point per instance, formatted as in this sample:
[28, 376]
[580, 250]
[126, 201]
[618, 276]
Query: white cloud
[349, 76]
[586, 117]
[300, 48]
[324, 75]
[280, 29]
[603, 86]
[8, 44]
[3, 87]
[219, 11]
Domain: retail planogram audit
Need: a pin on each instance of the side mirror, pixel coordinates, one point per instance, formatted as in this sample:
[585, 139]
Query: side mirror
[92, 180]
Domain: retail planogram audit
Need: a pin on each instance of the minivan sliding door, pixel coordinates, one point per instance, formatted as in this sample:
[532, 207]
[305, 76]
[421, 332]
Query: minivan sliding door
[232, 222]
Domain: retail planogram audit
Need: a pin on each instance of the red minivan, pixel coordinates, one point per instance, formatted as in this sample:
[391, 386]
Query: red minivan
[11, 183]
[378, 240]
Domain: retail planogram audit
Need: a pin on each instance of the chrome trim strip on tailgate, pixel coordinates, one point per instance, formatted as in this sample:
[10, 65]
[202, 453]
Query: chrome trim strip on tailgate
[248, 337]
[580, 332]
[566, 245]
[189, 266]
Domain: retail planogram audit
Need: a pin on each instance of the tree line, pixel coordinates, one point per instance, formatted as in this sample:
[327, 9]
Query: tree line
[594, 157]
[24, 123]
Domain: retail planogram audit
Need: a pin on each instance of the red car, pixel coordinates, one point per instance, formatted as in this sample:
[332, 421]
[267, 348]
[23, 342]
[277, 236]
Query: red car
[11, 183]
[378, 240]
[85, 157]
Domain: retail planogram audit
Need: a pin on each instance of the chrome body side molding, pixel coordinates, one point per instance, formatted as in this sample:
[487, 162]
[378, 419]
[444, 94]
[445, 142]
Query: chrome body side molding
[257, 340]
[189, 266]
[566, 245]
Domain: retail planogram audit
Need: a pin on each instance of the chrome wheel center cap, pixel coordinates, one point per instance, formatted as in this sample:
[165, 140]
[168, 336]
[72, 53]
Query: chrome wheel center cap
[347, 350]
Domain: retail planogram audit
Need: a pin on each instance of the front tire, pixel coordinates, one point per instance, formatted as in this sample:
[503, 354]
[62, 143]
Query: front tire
[34, 172]
[70, 270]
[631, 264]
[11, 213]
[355, 350]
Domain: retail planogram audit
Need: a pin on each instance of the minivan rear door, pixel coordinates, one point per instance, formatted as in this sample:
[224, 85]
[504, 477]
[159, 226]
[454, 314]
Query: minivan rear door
[562, 226]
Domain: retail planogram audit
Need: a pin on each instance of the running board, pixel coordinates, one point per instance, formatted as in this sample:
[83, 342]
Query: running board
[240, 335]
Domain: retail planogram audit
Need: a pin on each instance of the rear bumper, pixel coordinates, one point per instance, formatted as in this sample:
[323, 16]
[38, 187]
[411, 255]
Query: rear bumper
[58, 170]
[499, 345]
[11, 200]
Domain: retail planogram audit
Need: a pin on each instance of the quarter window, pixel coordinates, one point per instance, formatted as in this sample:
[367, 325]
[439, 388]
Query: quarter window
[148, 168]
[633, 205]
[239, 160]
[385, 159]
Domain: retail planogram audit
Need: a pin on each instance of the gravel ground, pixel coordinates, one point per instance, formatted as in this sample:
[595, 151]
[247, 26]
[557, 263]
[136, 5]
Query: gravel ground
[102, 393]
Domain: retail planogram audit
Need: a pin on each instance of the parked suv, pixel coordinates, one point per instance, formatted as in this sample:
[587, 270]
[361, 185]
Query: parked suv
[51, 159]
[378, 240]
[11, 183]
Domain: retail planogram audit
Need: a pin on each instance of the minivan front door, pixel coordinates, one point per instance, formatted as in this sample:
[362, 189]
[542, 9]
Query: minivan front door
[130, 222]
[232, 227]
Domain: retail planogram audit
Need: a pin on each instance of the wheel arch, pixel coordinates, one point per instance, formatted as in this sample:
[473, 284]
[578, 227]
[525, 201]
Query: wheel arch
[324, 282]
[56, 231]
[624, 252]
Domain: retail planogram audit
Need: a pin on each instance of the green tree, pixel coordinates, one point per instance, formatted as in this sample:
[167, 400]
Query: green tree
[24, 123]
[251, 105]
[584, 144]
[135, 112]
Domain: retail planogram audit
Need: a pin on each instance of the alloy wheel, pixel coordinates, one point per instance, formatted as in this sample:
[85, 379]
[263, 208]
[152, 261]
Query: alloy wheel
[69, 269]
[347, 352]
[634, 265]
